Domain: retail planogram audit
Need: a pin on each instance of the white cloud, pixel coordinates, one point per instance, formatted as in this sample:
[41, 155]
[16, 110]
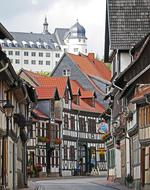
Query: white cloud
[34, 2]
[29, 16]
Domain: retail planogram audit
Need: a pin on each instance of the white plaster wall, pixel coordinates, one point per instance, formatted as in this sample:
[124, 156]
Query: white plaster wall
[134, 121]
[118, 162]
[125, 60]
[112, 172]
[35, 68]
[127, 157]
[137, 171]
[74, 43]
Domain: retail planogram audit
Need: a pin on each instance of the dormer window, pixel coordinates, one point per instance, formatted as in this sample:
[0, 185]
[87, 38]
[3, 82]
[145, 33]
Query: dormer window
[93, 102]
[24, 43]
[66, 72]
[66, 97]
[76, 99]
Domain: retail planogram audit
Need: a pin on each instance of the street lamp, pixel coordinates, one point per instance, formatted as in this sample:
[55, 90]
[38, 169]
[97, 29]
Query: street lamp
[8, 110]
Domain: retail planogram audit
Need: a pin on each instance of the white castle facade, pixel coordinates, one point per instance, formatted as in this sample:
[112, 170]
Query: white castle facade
[40, 52]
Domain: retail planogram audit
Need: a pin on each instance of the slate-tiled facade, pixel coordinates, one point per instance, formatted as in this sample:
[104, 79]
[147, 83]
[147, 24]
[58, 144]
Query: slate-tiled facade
[128, 22]
[78, 73]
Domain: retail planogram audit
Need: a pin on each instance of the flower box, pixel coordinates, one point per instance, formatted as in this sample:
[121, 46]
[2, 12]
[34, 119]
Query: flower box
[43, 139]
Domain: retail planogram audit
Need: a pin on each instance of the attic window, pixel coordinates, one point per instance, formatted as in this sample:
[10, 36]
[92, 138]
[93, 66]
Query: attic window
[66, 97]
[66, 72]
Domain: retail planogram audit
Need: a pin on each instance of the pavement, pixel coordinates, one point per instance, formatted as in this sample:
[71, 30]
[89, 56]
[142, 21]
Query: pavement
[103, 182]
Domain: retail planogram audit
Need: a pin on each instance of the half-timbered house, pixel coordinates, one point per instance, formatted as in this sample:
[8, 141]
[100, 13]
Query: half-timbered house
[80, 113]
[17, 95]
[126, 24]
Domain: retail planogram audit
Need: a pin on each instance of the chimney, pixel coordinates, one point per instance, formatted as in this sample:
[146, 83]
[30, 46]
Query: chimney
[91, 56]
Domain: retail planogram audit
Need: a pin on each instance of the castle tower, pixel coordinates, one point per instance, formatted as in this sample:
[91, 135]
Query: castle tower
[76, 40]
[45, 27]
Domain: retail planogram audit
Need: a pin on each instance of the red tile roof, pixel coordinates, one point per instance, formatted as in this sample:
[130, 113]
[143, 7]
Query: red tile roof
[88, 94]
[59, 82]
[85, 94]
[45, 92]
[91, 67]
[85, 107]
[40, 114]
[75, 86]
[140, 91]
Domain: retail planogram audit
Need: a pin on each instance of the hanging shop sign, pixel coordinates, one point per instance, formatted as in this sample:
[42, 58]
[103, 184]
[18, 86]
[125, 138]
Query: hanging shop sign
[103, 127]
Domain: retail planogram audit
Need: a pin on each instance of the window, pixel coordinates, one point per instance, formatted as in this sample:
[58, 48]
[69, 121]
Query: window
[102, 157]
[33, 54]
[82, 124]
[52, 109]
[52, 131]
[66, 72]
[91, 126]
[40, 54]
[43, 130]
[72, 153]
[136, 151]
[53, 159]
[48, 54]
[17, 61]
[26, 53]
[65, 152]
[31, 132]
[47, 62]
[111, 158]
[57, 158]
[10, 52]
[66, 121]
[26, 61]
[75, 49]
[33, 62]
[57, 55]
[144, 116]
[72, 123]
[38, 130]
[17, 52]
[66, 97]
[40, 62]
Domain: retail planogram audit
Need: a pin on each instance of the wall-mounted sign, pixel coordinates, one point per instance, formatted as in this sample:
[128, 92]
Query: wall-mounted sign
[103, 127]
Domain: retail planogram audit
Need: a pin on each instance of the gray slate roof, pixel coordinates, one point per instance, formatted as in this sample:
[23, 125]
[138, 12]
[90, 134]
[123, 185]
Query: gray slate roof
[128, 22]
[33, 37]
[4, 33]
[60, 34]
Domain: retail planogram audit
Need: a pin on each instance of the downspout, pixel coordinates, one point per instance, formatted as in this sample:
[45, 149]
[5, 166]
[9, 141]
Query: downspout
[24, 146]
[113, 82]
[148, 102]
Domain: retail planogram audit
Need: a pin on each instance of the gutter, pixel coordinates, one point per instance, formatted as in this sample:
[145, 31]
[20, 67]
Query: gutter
[4, 68]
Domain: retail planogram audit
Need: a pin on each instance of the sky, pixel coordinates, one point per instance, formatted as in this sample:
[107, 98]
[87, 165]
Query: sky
[28, 16]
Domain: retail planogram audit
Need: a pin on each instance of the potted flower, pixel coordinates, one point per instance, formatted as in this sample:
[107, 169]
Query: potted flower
[58, 141]
[43, 139]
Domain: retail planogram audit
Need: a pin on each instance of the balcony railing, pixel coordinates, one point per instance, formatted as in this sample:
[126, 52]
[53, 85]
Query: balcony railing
[102, 166]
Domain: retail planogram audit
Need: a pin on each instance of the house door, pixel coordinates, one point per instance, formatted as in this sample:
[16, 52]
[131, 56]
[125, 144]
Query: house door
[143, 166]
